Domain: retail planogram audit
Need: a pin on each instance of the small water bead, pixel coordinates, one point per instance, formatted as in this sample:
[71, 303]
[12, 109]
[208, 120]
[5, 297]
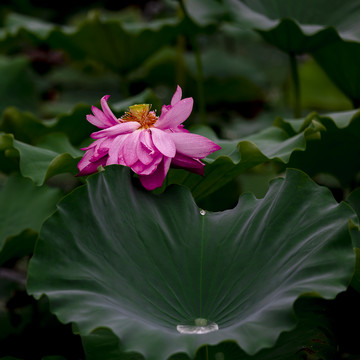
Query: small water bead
[201, 326]
[202, 212]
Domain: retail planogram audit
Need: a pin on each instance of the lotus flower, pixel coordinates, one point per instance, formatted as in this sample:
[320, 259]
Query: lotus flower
[147, 143]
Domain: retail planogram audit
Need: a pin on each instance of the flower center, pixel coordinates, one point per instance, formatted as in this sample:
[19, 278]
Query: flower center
[142, 114]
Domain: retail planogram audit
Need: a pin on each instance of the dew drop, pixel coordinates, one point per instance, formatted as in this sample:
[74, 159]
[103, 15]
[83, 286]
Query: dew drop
[202, 212]
[200, 326]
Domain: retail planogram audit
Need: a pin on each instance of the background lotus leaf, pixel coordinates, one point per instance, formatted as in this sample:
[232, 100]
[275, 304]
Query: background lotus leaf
[299, 27]
[54, 155]
[17, 86]
[273, 143]
[120, 46]
[337, 152]
[23, 209]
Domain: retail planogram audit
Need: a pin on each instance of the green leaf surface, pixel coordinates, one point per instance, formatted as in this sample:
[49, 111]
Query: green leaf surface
[354, 200]
[313, 335]
[313, 338]
[23, 209]
[115, 256]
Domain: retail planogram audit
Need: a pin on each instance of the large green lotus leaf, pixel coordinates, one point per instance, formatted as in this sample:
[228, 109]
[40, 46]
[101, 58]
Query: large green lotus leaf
[54, 155]
[119, 46]
[23, 209]
[338, 151]
[236, 156]
[354, 200]
[140, 264]
[313, 335]
[313, 338]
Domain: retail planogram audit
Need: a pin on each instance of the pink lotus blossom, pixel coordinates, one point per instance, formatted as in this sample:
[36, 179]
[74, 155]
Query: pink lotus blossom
[147, 143]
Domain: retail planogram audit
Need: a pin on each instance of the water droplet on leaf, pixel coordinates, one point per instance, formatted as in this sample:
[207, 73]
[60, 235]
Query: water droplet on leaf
[202, 212]
[200, 326]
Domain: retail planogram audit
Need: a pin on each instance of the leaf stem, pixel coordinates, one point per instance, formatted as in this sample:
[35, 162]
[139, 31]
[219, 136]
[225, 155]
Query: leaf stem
[180, 62]
[200, 79]
[295, 77]
[199, 68]
[356, 103]
[201, 264]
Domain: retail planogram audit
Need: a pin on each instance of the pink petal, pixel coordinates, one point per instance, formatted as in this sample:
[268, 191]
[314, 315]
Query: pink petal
[118, 129]
[165, 109]
[185, 162]
[156, 179]
[129, 148]
[193, 145]
[87, 167]
[145, 149]
[95, 121]
[101, 148]
[176, 115]
[177, 96]
[163, 142]
[180, 128]
[115, 150]
[142, 169]
[100, 116]
[146, 140]
[109, 114]
[92, 145]
[85, 160]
